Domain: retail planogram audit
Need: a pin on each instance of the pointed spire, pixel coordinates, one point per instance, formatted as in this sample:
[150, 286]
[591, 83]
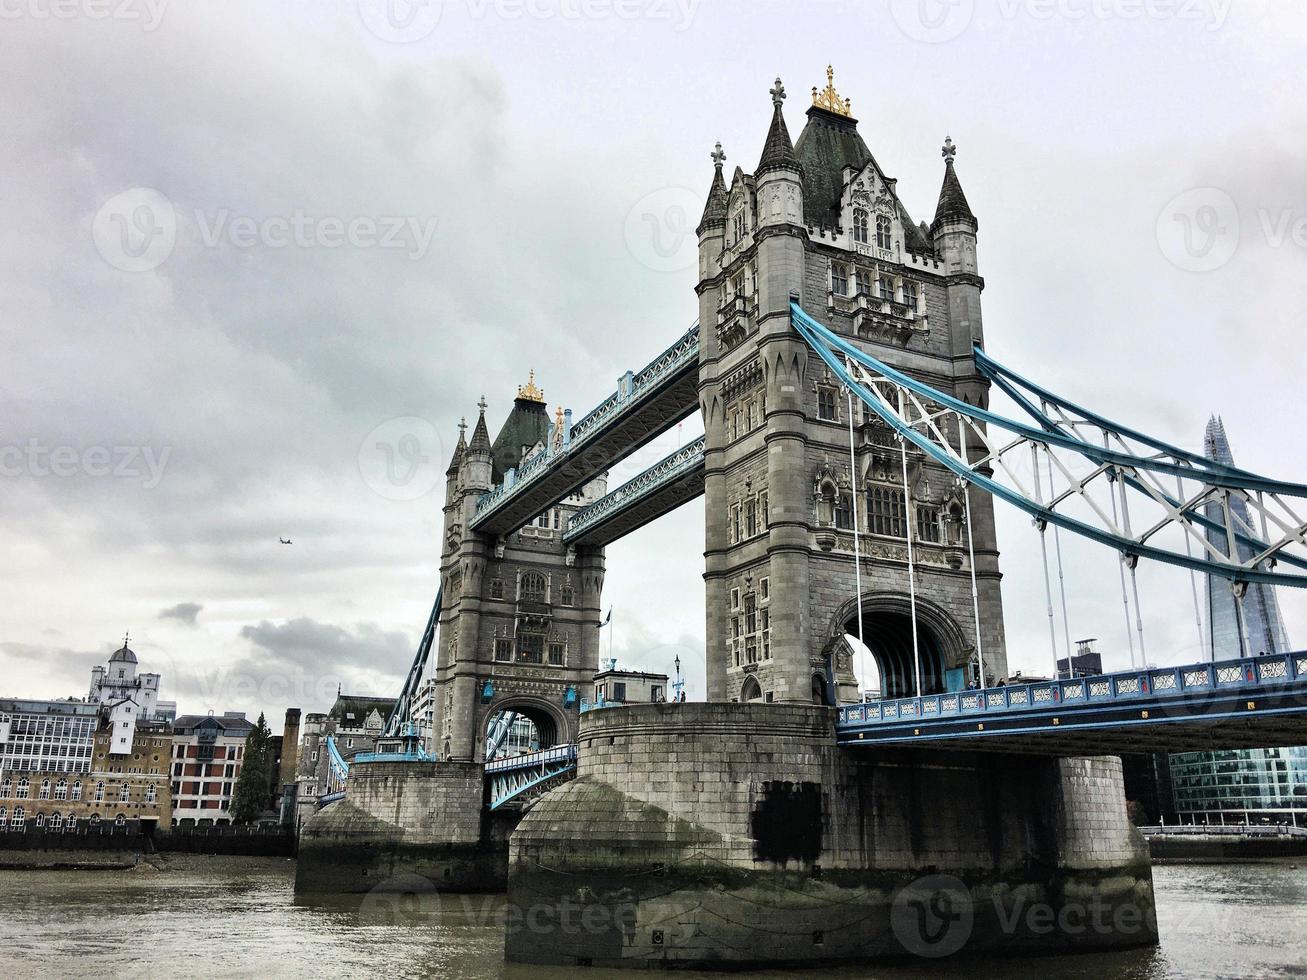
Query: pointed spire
[953, 204]
[778, 151]
[714, 211]
[1216, 444]
[459, 450]
[480, 443]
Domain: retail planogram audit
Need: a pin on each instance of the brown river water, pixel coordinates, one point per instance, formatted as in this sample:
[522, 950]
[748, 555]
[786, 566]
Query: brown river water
[238, 921]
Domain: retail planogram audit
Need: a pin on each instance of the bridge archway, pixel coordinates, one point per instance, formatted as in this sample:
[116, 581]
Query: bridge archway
[550, 723]
[887, 633]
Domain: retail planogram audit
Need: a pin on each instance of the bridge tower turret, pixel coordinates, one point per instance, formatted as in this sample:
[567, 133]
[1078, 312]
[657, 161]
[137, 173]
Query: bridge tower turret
[820, 223]
[517, 623]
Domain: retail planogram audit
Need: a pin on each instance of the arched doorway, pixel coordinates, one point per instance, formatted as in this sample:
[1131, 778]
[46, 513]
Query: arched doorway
[518, 726]
[887, 633]
[750, 690]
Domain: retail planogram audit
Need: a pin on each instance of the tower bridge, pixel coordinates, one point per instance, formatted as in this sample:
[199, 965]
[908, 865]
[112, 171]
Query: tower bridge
[849, 466]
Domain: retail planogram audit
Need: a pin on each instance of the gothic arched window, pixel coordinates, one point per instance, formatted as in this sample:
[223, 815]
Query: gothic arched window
[533, 587]
[61, 790]
[885, 511]
[861, 227]
[883, 238]
[750, 691]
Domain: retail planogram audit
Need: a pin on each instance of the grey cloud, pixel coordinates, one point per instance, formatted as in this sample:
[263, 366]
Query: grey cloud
[183, 612]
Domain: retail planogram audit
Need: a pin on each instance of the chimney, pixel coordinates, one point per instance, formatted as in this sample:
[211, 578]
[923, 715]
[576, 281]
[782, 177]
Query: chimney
[290, 745]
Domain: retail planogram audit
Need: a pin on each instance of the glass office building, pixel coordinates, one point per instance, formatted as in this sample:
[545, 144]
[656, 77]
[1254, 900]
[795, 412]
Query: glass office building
[1239, 785]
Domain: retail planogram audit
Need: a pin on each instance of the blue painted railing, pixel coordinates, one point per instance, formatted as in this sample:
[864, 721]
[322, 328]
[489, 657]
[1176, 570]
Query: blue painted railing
[1154, 684]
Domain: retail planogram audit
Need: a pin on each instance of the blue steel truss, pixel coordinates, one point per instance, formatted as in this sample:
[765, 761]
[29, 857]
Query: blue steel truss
[400, 717]
[635, 388]
[1094, 477]
[511, 778]
[1271, 687]
[337, 767]
[666, 471]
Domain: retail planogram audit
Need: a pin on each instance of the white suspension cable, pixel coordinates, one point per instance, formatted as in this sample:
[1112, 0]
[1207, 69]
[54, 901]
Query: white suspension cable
[1238, 588]
[1132, 561]
[1193, 578]
[971, 550]
[907, 527]
[1041, 526]
[857, 553]
[1057, 545]
[1125, 602]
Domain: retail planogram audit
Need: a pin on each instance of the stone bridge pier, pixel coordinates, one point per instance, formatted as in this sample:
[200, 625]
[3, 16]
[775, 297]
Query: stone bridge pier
[730, 835]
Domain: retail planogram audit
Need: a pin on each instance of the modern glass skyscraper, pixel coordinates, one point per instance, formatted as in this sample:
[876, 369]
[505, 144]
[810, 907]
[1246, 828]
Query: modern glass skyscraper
[1253, 627]
[1241, 785]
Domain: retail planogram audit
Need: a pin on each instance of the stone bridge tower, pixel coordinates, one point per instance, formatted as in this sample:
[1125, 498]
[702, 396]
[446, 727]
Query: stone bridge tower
[819, 221]
[519, 614]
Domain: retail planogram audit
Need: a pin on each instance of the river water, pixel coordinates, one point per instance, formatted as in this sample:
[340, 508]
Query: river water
[1215, 921]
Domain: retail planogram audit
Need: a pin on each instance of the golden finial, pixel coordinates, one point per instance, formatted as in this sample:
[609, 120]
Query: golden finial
[829, 99]
[529, 392]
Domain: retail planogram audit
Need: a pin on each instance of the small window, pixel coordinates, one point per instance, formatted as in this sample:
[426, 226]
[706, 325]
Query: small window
[741, 225]
[839, 279]
[750, 518]
[862, 279]
[735, 598]
[503, 649]
[556, 654]
[929, 525]
[764, 588]
[883, 239]
[886, 284]
[568, 594]
[735, 523]
[762, 510]
[844, 511]
[826, 410]
[496, 588]
[910, 295]
[619, 690]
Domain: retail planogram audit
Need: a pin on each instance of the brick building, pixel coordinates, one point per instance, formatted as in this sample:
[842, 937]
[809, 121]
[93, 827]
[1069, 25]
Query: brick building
[128, 788]
[207, 751]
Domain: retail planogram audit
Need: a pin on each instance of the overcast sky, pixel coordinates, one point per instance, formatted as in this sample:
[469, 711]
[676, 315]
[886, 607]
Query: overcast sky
[239, 237]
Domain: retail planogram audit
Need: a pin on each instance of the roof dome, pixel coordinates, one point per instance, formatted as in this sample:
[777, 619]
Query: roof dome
[124, 656]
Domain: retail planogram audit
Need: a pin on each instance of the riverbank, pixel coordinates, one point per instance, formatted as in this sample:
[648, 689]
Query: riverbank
[1204, 849]
[138, 862]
